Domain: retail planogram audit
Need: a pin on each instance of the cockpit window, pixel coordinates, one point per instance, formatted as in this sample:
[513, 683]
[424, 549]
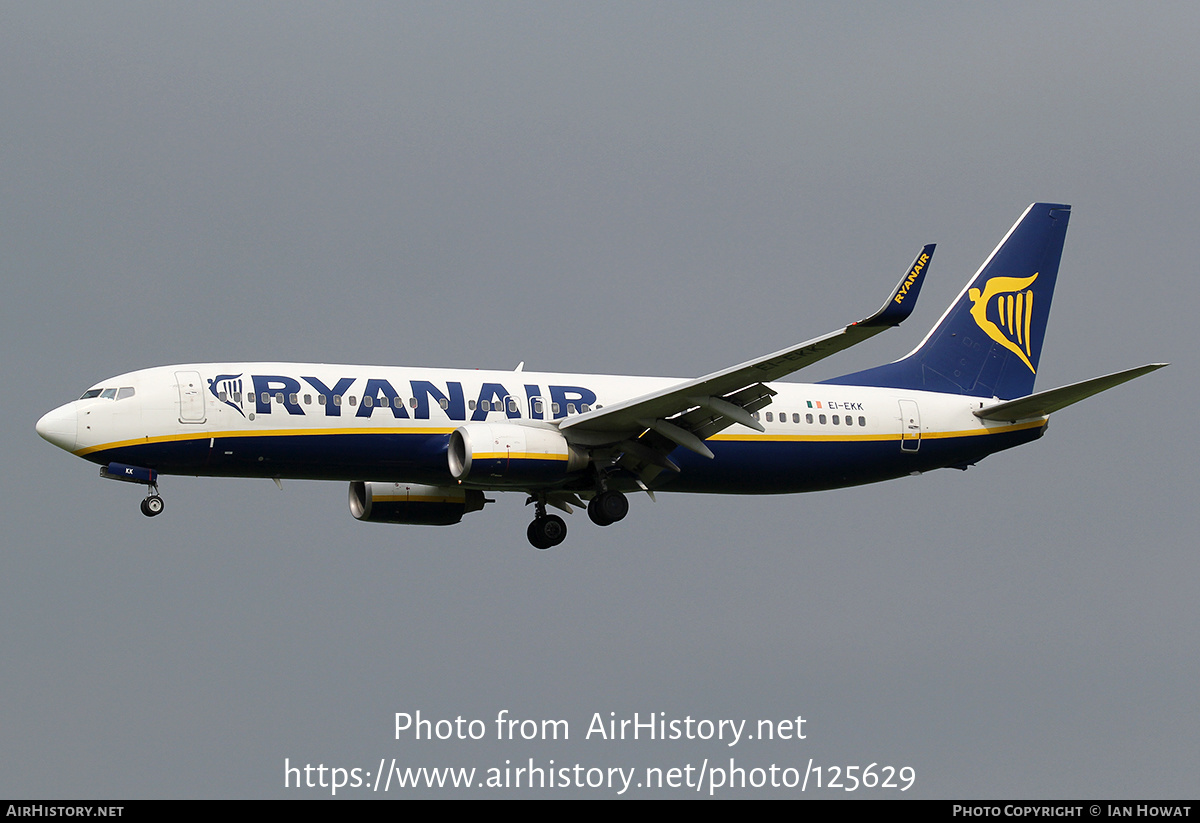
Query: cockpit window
[124, 391]
[109, 394]
[90, 393]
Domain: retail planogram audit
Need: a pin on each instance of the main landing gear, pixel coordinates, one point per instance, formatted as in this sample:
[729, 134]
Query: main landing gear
[608, 507]
[549, 530]
[546, 530]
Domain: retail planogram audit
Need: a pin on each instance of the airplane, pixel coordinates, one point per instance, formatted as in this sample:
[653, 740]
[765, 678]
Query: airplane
[425, 445]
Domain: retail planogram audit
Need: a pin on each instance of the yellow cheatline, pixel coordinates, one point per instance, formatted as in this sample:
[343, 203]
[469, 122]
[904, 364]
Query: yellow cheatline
[413, 498]
[932, 435]
[768, 438]
[517, 456]
[790, 438]
[227, 435]
[1029, 424]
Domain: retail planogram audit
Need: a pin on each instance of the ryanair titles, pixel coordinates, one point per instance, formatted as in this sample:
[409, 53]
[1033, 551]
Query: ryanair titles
[406, 400]
[913, 274]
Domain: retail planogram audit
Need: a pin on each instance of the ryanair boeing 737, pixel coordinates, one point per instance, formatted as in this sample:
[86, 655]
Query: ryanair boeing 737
[424, 446]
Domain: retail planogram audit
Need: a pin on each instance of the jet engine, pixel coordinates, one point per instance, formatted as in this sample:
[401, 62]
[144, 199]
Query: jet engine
[502, 454]
[412, 503]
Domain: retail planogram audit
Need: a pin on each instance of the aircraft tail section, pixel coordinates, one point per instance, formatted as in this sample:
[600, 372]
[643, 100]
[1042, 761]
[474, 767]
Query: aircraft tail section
[988, 342]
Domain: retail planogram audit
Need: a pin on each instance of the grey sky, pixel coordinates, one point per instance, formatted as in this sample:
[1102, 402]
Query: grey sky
[655, 189]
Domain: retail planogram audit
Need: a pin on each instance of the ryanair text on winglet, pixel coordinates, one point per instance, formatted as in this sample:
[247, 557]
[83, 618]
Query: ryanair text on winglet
[917, 268]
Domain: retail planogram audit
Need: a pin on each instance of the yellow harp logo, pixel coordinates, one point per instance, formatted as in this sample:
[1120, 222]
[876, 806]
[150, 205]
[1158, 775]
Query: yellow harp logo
[1013, 312]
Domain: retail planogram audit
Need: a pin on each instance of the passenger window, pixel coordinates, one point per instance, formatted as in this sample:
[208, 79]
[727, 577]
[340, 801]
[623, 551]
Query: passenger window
[570, 408]
[537, 406]
[321, 400]
[512, 405]
[266, 398]
[755, 415]
[862, 421]
[444, 403]
[849, 420]
[222, 397]
[471, 405]
[353, 400]
[821, 418]
[292, 398]
[835, 420]
[808, 418]
[367, 401]
[337, 400]
[279, 398]
[554, 408]
[308, 399]
[795, 417]
[770, 417]
[237, 397]
[585, 407]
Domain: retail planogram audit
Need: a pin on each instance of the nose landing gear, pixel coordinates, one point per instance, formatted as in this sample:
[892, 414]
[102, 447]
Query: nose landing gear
[153, 505]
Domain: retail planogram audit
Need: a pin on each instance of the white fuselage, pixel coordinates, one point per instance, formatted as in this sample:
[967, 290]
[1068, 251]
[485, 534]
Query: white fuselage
[386, 423]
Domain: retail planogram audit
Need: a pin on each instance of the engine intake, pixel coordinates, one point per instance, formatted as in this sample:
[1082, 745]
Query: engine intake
[497, 454]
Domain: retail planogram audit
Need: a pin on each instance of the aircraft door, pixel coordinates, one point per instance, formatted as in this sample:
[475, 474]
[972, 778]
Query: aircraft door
[910, 426]
[191, 396]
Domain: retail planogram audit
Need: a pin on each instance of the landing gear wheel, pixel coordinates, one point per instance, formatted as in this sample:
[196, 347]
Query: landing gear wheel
[546, 531]
[608, 507]
[534, 539]
[152, 506]
[596, 515]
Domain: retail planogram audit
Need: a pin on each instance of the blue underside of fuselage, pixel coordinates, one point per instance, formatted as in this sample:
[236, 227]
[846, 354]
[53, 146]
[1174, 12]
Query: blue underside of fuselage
[760, 466]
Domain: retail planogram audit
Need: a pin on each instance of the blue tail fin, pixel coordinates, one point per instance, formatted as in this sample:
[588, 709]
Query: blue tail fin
[988, 342]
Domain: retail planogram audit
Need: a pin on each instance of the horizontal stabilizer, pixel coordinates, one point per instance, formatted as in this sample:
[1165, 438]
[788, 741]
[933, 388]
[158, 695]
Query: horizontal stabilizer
[1044, 402]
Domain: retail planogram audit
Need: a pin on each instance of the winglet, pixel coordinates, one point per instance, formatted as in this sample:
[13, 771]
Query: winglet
[904, 299]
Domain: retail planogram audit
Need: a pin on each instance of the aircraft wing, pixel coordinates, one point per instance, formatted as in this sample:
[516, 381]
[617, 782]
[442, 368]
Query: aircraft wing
[1044, 402]
[687, 413]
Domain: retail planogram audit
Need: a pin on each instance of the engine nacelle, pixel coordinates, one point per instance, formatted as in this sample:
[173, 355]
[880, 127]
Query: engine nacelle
[509, 454]
[412, 503]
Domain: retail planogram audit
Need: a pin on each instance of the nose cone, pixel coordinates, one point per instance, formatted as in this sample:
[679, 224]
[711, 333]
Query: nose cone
[60, 427]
